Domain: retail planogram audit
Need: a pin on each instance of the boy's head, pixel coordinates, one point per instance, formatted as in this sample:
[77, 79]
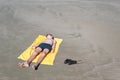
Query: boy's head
[50, 36]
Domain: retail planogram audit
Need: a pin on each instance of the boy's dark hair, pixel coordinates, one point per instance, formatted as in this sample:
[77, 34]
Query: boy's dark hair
[50, 35]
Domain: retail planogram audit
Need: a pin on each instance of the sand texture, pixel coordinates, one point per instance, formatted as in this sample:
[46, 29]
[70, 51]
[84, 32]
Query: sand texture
[90, 30]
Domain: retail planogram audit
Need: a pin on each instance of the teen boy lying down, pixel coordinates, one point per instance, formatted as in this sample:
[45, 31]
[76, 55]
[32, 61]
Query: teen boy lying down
[48, 45]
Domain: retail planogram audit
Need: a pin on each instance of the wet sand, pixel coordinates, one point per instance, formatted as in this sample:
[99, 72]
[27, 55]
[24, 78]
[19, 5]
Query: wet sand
[90, 31]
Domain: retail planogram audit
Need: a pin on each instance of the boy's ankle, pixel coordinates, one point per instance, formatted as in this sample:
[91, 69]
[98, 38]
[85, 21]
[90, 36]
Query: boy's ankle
[35, 66]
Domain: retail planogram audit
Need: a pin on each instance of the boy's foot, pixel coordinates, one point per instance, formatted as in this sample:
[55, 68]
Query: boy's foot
[35, 66]
[23, 64]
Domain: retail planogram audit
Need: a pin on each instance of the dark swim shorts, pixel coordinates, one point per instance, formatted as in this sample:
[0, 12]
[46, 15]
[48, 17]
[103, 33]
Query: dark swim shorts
[45, 46]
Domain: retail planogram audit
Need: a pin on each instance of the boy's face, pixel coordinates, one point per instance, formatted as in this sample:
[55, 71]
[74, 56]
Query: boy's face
[49, 37]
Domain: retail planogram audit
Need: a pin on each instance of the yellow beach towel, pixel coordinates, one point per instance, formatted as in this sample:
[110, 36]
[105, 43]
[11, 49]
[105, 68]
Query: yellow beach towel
[49, 59]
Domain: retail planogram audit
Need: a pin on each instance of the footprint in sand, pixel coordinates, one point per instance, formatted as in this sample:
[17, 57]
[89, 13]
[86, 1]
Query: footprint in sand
[76, 35]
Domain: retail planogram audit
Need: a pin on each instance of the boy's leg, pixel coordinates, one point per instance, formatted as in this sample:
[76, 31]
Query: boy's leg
[27, 63]
[35, 53]
[44, 53]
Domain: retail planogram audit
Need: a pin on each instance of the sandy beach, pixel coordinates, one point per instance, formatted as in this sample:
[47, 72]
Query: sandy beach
[90, 30]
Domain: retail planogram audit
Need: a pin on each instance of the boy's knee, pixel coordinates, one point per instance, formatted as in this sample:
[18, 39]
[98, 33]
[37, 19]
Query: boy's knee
[37, 50]
[45, 51]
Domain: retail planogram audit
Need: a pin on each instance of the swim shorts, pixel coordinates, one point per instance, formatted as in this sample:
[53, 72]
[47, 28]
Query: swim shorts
[45, 46]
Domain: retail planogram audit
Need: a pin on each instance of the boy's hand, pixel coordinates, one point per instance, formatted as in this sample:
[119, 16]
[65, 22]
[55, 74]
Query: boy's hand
[33, 47]
[52, 51]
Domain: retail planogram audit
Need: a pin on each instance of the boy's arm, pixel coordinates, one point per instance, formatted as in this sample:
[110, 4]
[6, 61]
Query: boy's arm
[53, 46]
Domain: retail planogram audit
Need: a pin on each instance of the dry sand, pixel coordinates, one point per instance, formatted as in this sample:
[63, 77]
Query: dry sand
[90, 30]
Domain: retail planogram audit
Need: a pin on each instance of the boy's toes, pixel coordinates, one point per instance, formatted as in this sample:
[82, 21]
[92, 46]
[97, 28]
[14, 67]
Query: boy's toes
[20, 64]
[23, 64]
